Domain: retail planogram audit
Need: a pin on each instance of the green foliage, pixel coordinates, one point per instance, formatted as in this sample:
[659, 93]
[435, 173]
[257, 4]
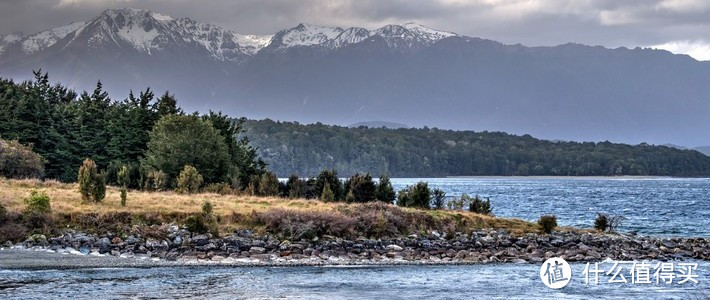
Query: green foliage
[123, 176]
[418, 195]
[268, 184]
[327, 194]
[330, 177]
[547, 223]
[205, 222]
[18, 161]
[189, 181]
[38, 203]
[221, 188]
[361, 188]
[477, 205]
[438, 199]
[179, 140]
[385, 191]
[92, 185]
[65, 127]
[296, 187]
[156, 181]
[416, 152]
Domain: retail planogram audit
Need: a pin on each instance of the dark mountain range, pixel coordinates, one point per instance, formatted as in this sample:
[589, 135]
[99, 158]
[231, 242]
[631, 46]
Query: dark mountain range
[398, 73]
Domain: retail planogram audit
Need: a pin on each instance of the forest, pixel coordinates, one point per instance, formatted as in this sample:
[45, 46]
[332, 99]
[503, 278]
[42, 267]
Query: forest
[306, 149]
[51, 130]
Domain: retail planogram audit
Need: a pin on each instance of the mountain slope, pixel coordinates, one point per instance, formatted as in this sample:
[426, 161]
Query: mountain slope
[404, 73]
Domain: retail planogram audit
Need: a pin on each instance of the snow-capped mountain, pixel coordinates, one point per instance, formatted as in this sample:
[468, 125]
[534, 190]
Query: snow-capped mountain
[405, 73]
[152, 33]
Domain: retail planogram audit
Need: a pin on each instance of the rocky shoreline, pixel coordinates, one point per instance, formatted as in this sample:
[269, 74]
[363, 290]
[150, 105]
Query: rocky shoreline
[175, 245]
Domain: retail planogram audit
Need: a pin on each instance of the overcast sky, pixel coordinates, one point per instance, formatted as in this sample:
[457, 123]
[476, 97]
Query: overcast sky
[682, 26]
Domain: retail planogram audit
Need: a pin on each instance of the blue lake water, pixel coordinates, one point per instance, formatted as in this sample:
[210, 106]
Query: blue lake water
[498, 281]
[651, 206]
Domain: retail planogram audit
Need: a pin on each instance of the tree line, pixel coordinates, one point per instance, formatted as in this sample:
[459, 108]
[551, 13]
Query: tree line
[145, 139]
[293, 148]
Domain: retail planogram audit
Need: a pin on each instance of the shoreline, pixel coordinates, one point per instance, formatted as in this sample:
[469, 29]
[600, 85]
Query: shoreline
[242, 249]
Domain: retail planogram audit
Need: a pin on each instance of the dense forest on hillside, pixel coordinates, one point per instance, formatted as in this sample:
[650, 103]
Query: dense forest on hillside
[293, 148]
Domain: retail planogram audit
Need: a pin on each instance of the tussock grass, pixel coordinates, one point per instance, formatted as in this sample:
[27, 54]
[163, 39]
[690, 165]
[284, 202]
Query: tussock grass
[242, 211]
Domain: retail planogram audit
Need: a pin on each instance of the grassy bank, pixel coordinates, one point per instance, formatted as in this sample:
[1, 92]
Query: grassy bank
[287, 218]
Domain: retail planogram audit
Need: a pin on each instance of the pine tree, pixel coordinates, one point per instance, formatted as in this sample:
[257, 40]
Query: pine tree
[385, 191]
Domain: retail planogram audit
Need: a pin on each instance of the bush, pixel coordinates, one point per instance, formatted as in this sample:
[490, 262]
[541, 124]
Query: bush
[221, 188]
[156, 181]
[296, 225]
[268, 184]
[12, 232]
[19, 161]
[438, 199]
[477, 205]
[38, 202]
[601, 223]
[361, 189]
[92, 185]
[418, 195]
[385, 191]
[327, 195]
[605, 222]
[124, 196]
[189, 180]
[204, 222]
[547, 223]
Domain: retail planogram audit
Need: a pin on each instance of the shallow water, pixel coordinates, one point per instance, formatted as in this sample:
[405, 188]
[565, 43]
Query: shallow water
[402, 282]
[651, 206]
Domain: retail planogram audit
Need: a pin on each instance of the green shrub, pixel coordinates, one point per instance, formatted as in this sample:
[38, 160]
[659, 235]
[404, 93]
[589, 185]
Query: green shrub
[327, 194]
[92, 185]
[547, 223]
[156, 181]
[477, 205]
[268, 184]
[361, 189]
[124, 196]
[438, 199]
[418, 195]
[189, 180]
[19, 161]
[385, 191]
[38, 202]
[204, 222]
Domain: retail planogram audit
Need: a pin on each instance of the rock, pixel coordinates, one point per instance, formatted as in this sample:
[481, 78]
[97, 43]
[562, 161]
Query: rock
[200, 240]
[116, 240]
[257, 250]
[393, 248]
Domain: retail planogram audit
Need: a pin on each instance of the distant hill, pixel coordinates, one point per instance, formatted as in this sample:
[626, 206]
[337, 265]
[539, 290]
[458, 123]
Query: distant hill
[293, 148]
[403, 73]
[379, 124]
[704, 150]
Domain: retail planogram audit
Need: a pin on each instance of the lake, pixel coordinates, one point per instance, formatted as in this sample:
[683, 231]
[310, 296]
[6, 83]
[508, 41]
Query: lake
[651, 206]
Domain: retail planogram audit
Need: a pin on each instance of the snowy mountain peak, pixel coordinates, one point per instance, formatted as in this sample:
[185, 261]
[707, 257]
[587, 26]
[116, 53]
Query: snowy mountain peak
[428, 33]
[308, 35]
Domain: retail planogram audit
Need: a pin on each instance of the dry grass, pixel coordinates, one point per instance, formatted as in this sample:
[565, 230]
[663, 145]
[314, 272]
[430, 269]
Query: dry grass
[234, 211]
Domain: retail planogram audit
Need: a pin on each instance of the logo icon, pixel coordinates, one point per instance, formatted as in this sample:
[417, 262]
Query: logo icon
[555, 273]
